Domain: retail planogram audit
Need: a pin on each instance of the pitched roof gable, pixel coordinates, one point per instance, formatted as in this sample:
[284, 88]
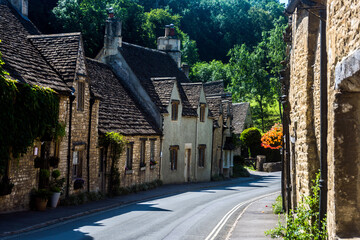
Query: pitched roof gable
[215, 105]
[193, 91]
[62, 51]
[163, 88]
[240, 111]
[22, 60]
[118, 111]
[148, 63]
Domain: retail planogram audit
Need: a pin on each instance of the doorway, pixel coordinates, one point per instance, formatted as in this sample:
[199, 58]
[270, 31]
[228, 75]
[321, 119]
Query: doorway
[187, 164]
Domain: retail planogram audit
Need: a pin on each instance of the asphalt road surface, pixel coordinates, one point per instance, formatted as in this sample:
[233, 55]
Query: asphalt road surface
[201, 214]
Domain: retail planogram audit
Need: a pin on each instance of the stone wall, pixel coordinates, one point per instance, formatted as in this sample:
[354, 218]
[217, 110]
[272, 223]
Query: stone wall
[343, 39]
[138, 175]
[217, 149]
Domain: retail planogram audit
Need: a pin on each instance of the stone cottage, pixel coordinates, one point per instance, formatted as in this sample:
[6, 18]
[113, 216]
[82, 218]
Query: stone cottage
[220, 106]
[57, 62]
[241, 121]
[119, 112]
[154, 78]
[321, 109]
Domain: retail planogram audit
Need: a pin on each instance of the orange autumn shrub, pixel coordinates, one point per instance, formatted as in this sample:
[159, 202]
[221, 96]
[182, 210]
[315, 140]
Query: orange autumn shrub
[273, 138]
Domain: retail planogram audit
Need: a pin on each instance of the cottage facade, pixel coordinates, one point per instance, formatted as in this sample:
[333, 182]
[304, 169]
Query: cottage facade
[337, 47]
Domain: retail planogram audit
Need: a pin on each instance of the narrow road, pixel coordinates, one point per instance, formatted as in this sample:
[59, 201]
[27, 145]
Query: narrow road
[202, 214]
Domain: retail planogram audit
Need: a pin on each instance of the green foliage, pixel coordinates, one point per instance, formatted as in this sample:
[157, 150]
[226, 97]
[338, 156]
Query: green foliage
[116, 142]
[240, 171]
[55, 174]
[43, 193]
[303, 222]
[138, 187]
[251, 137]
[189, 51]
[208, 72]
[277, 206]
[44, 174]
[27, 112]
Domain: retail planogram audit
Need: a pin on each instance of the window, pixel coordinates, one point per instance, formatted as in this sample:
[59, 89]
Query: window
[202, 112]
[81, 96]
[173, 157]
[129, 156]
[142, 152]
[174, 110]
[201, 161]
[152, 149]
[77, 164]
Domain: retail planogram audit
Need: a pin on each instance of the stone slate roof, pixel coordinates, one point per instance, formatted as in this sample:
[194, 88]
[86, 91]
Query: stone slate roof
[118, 110]
[148, 63]
[22, 59]
[240, 111]
[193, 91]
[163, 88]
[61, 51]
[214, 104]
[214, 88]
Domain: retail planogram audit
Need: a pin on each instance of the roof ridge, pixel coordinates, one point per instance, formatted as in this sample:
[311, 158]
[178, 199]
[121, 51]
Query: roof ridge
[191, 84]
[145, 48]
[163, 79]
[54, 35]
[212, 82]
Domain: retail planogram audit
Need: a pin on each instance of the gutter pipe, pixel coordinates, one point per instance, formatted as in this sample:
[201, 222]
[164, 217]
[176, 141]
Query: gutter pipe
[323, 119]
[71, 98]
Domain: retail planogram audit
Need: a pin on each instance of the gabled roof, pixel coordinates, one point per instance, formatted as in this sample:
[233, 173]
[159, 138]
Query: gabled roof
[61, 51]
[22, 59]
[215, 105]
[214, 88]
[118, 111]
[163, 88]
[240, 111]
[193, 91]
[148, 63]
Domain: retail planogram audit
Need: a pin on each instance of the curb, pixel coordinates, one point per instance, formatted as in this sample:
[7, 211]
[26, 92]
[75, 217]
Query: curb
[85, 213]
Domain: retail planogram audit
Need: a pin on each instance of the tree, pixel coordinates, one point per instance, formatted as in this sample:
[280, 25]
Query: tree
[208, 72]
[189, 51]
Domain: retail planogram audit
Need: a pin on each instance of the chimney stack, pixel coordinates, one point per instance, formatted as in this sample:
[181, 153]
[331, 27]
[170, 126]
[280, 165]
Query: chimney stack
[170, 44]
[22, 6]
[113, 38]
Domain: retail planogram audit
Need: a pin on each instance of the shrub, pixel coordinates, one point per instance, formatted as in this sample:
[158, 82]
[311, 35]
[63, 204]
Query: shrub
[277, 206]
[273, 138]
[303, 222]
[251, 137]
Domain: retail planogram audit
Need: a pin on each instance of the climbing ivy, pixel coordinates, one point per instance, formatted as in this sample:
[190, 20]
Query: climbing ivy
[116, 142]
[27, 113]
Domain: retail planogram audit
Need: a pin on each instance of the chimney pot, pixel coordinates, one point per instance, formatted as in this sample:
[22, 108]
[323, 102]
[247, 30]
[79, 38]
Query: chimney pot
[110, 12]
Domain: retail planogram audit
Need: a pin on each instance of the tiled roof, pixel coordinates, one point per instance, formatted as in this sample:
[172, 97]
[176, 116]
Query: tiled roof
[214, 104]
[163, 88]
[240, 111]
[118, 110]
[61, 51]
[193, 91]
[214, 88]
[22, 60]
[148, 63]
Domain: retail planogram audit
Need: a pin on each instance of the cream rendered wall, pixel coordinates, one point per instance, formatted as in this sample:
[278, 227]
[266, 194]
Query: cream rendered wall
[204, 136]
[181, 133]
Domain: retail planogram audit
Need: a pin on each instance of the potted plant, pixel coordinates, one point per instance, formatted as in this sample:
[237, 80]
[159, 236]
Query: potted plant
[56, 187]
[5, 186]
[44, 175]
[41, 198]
[152, 163]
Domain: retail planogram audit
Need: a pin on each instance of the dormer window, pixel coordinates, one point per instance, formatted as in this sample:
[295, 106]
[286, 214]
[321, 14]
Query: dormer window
[174, 110]
[81, 96]
[202, 112]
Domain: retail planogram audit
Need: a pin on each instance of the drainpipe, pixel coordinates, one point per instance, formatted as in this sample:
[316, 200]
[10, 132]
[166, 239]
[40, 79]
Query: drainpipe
[323, 118]
[92, 101]
[71, 98]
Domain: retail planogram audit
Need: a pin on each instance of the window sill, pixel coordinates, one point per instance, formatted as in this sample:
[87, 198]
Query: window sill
[128, 172]
[142, 168]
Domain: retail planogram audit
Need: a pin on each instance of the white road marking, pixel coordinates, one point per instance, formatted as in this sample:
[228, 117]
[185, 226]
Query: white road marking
[223, 221]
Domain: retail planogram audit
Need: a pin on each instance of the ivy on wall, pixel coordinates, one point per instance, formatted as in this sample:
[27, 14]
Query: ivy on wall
[27, 113]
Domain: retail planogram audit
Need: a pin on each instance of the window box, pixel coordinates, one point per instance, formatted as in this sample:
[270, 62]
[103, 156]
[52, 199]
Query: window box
[127, 172]
[142, 168]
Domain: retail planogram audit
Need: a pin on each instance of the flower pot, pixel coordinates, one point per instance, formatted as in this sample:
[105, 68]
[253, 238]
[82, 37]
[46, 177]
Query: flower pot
[41, 204]
[54, 199]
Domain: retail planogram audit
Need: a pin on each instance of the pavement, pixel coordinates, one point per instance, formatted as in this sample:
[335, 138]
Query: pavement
[255, 219]
[258, 213]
